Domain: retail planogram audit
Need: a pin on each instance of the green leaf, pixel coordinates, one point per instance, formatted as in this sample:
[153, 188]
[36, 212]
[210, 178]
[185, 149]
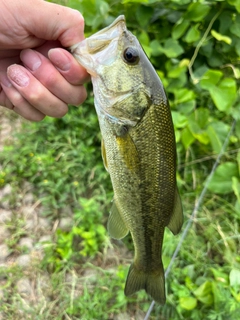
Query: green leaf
[172, 48]
[183, 95]
[224, 94]
[179, 120]
[175, 72]
[197, 11]
[220, 37]
[219, 275]
[133, 1]
[210, 78]
[237, 47]
[235, 3]
[222, 179]
[214, 139]
[235, 26]
[193, 34]
[143, 15]
[204, 293]
[202, 117]
[144, 38]
[187, 138]
[236, 187]
[234, 278]
[156, 48]
[180, 28]
[188, 303]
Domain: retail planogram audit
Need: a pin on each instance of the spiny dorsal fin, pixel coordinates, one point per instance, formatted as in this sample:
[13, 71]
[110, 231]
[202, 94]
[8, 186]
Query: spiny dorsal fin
[176, 220]
[116, 226]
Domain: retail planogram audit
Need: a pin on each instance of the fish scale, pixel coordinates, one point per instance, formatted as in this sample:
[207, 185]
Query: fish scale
[138, 149]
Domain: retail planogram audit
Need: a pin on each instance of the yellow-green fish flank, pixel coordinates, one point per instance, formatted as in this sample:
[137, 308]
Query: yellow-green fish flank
[138, 148]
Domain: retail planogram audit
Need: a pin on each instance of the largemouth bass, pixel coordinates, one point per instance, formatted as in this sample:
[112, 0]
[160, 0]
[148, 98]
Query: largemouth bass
[138, 149]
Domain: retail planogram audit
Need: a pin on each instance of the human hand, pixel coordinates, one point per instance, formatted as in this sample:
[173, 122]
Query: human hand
[39, 82]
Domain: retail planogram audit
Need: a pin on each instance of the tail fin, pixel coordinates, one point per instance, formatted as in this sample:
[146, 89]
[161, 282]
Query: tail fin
[153, 284]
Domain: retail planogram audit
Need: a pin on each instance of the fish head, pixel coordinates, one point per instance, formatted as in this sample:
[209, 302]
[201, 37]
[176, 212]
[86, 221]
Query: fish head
[124, 80]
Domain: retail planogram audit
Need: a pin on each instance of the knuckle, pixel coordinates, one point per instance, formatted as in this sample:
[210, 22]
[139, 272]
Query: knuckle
[50, 80]
[79, 17]
[17, 99]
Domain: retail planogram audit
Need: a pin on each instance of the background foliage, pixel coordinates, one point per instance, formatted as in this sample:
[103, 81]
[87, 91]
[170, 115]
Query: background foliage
[195, 48]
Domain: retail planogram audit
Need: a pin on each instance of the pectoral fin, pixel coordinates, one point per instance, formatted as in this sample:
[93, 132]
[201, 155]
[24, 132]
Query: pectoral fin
[116, 226]
[129, 152]
[176, 220]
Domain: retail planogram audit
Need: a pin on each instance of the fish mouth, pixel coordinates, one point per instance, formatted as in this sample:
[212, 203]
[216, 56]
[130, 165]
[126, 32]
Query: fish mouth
[88, 52]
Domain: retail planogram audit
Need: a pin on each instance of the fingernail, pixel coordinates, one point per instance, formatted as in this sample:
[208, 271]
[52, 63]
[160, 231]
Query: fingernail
[59, 59]
[31, 59]
[17, 75]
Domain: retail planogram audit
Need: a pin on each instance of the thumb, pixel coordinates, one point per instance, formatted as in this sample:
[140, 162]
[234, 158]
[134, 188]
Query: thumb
[54, 22]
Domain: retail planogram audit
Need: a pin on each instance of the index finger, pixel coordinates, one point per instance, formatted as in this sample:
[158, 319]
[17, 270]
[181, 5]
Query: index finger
[57, 23]
[68, 66]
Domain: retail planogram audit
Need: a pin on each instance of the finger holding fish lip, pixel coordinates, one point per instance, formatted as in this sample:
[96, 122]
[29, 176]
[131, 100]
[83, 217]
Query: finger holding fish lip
[67, 65]
[62, 80]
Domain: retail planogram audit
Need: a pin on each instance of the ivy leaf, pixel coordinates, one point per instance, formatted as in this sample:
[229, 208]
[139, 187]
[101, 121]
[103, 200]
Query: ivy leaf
[197, 11]
[172, 48]
[180, 28]
[214, 139]
[193, 34]
[143, 15]
[222, 178]
[235, 3]
[235, 27]
[224, 94]
[187, 138]
[210, 78]
[179, 120]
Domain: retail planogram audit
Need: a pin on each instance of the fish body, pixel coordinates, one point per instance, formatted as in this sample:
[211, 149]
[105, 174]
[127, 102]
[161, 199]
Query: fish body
[138, 149]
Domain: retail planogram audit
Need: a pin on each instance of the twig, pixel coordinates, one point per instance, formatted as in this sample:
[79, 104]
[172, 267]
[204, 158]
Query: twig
[195, 80]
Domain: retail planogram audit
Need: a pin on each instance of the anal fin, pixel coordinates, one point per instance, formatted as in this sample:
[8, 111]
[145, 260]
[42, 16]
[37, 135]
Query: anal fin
[176, 220]
[116, 226]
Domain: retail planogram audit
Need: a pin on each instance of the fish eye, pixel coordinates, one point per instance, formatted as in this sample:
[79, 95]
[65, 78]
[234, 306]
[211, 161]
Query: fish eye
[131, 55]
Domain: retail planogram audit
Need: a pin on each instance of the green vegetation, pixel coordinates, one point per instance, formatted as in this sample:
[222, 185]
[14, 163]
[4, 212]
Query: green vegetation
[195, 48]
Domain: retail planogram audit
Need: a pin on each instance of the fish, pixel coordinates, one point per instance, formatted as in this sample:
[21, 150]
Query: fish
[138, 149]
